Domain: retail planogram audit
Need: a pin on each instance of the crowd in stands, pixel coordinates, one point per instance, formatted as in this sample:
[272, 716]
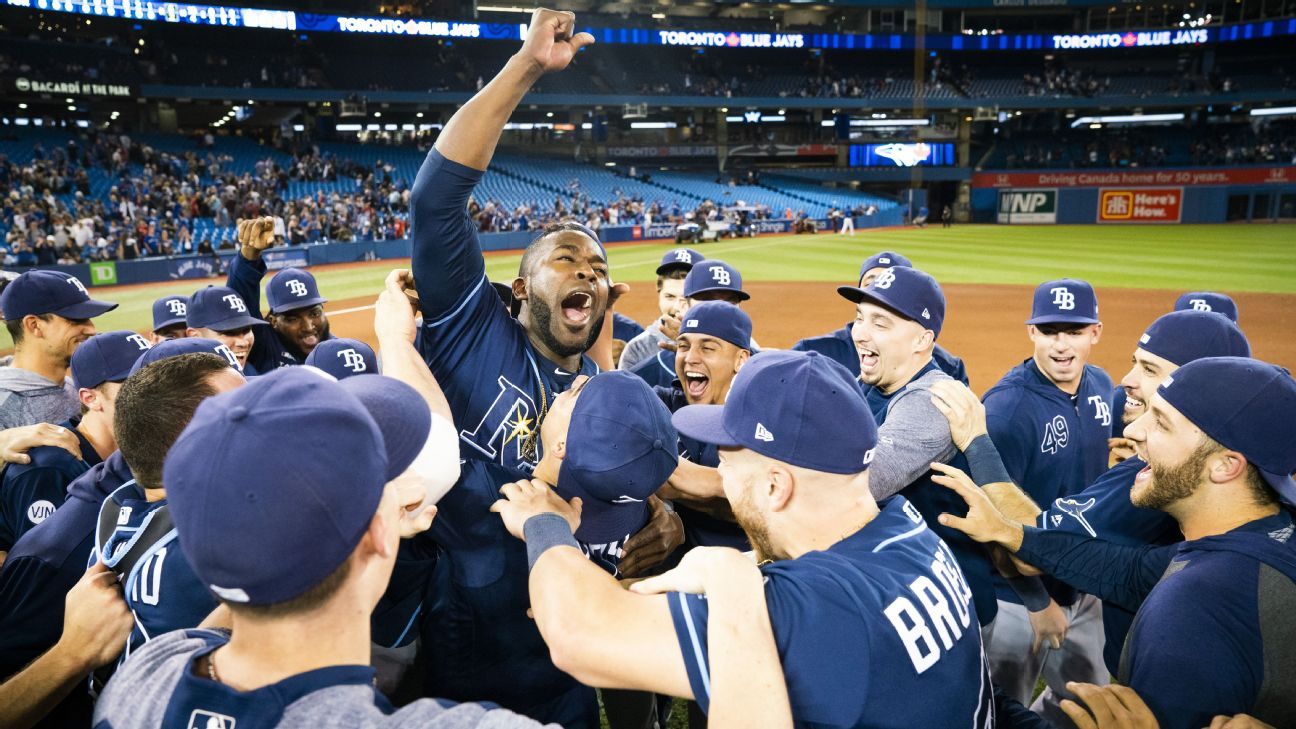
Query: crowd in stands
[1274, 143]
[1058, 80]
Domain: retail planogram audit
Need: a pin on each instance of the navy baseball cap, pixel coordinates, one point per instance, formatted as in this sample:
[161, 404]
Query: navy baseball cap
[801, 408]
[1064, 301]
[50, 292]
[719, 319]
[218, 308]
[911, 293]
[1244, 405]
[621, 447]
[187, 345]
[401, 413]
[107, 357]
[1207, 301]
[716, 275]
[679, 258]
[1184, 336]
[884, 259]
[169, 311]
[292, 288]
[261, 529]
[344, 358]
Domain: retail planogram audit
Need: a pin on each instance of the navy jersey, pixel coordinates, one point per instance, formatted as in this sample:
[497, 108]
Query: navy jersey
[878, 630]
[42, 566]
[268, 350]
[30, 492]
[701, 529]
[1206, 638]
[657, 371]
[162, 591]
[499, 387]
[1104, 510]
[932, 500]
[1052, 444]
[840, 348]
[1118, 408]
[478, 642]
[161, 689]
[625, 328]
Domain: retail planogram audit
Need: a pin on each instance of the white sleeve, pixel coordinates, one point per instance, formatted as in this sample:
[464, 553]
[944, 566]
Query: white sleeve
[438, 463]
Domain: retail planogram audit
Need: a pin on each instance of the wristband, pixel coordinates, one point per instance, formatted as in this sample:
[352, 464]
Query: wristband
[984, 464]
[544, 531]
[1031, 591]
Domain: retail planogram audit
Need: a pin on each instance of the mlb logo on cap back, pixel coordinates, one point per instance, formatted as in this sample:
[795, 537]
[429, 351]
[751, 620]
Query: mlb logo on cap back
[883, 259]
[1065, 301]
[292, 288]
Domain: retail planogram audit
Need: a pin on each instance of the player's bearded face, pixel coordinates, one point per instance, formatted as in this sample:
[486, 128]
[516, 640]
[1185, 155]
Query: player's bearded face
[567, 295]
[303, 328]
[1159, 485]
[1176, 454]
[741, 474]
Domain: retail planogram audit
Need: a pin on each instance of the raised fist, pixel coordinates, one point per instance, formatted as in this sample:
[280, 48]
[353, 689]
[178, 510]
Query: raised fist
[551, 42]
[256, 234]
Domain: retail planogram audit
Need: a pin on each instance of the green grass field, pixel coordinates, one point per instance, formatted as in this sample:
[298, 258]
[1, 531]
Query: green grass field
[1221, 257]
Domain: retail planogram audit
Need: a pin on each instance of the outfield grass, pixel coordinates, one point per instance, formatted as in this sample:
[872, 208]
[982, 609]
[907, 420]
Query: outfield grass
[1228, 258]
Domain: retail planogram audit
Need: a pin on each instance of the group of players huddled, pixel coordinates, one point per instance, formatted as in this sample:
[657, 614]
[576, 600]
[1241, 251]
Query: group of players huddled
[836, 535]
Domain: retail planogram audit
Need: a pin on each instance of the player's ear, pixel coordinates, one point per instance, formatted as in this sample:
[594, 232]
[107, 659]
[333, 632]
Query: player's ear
[1096, 332]
[782, 484]
[743, 356]
[519, 289]
[89, 399]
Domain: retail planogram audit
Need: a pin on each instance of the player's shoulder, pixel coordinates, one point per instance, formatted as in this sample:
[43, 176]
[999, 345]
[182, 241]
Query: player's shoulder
[1098, 380]
[150, 675]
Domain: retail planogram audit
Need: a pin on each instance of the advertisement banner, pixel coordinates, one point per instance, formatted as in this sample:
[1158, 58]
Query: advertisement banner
[195, 267]
[675, 150]
[103, 273]
[1027, 206]
[1144, 205]
[286, 258]
[1139, 178]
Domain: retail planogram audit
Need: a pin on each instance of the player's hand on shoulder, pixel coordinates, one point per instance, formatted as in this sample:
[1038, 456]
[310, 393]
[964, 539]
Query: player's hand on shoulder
[1108, 707]
[963, 410]
[552, 41]
[524, 499]
[15, 442]
[96, 621]
[701, 568]
[984, 523]
[394, 311]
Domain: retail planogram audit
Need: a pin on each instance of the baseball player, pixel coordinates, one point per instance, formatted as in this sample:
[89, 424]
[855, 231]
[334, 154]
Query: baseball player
[898, 317]
[296, 322]
[675, 266]
[1216, 438]
[839, 346]
[47, 561]
[868, 607]
[47, 313]
[169, 319]
[1050, 418]
[1103, 509]
[29, 493]
[219, 313]
[343, 358]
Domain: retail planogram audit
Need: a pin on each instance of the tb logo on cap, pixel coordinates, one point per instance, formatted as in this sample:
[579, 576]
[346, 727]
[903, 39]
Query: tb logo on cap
[884, 279]
[720, 275]
[228, 354]
[177, 307]
[1063, 298]
[683, 256]
[235, 302]
[1200, 305]
[77, 283]
[352, 360]
[297, 288]
[138, 341]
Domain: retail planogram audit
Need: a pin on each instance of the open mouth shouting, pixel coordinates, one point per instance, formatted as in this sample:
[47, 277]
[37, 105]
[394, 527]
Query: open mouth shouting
[577, 307]
[696, 384]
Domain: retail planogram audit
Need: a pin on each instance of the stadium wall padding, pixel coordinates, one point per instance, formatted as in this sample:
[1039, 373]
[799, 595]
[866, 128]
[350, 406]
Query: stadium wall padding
[151, 270]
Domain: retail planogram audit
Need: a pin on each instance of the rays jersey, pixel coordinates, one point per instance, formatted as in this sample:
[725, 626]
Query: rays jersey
[878, 630]
[498, 386]
[161, 589]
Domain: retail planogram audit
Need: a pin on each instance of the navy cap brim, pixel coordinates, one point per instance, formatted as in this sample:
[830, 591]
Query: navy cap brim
[704, 423]
[676, 266]
[85, 310]
[1061, 319]
[240, 321]
[857, 295]
[305, 304]
[1282, 483]
[742, 295]
[169, 323]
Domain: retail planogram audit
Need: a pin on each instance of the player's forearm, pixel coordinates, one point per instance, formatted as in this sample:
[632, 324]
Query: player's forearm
[28, 696]
[402, 361]
[471, 135]
[1012, 502]
[245, 276]
[693, 483]
[1117, 573]
[570, 598]
[747, 684]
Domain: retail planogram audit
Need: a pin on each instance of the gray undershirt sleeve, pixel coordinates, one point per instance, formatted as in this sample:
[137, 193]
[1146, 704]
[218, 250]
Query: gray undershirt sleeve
[914, 435]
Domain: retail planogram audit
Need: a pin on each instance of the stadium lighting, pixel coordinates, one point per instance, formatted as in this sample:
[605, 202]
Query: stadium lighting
[652, 125]
[881, 122]
[1274, 111]
[22, 106]
[659, 16]
[503, 9]
[419, 115]
[348, 127]
[1127, 119]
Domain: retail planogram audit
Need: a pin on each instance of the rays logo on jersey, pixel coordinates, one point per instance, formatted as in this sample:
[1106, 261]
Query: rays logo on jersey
[1101, 410]
[1056, 435]
[201, 719]
[508, 422]
[1076, 510]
